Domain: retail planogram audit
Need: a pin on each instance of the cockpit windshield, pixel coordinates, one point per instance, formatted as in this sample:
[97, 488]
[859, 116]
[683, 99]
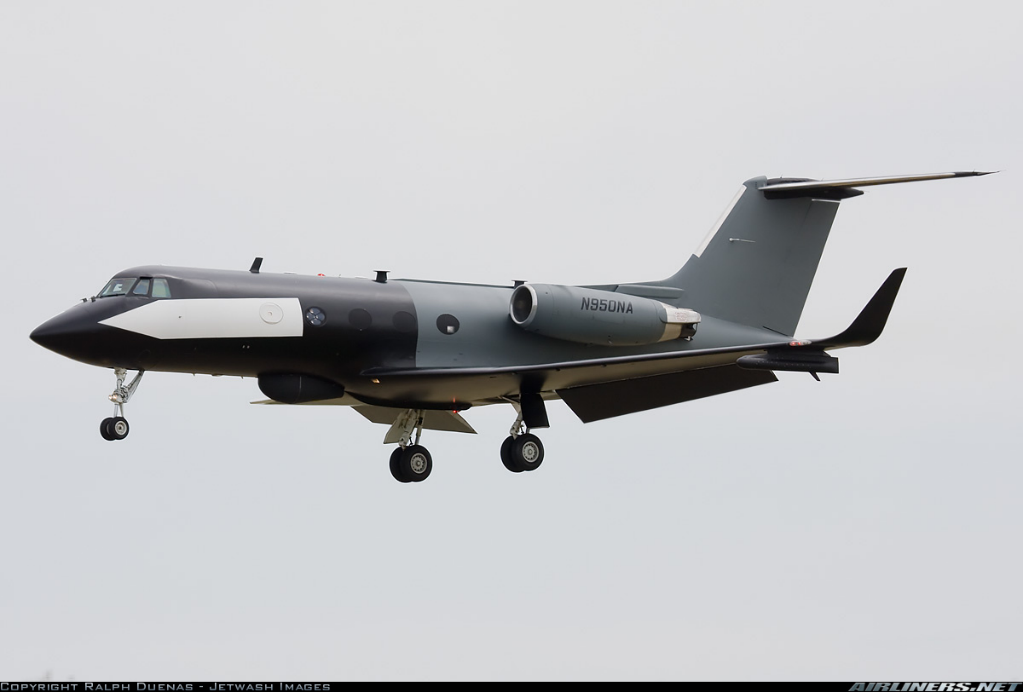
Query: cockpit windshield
[161, 289]
[146, 286]
[116, 287]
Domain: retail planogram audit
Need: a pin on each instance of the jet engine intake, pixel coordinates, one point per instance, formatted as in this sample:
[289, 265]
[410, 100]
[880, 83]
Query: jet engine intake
[590, 316]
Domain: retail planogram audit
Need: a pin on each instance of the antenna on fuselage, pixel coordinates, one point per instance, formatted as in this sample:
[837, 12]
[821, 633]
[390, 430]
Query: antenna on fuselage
[256, 263]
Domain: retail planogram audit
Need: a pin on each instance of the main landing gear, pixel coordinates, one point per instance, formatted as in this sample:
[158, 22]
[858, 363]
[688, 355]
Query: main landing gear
[410, 463]
[521, 450]
[116, 427]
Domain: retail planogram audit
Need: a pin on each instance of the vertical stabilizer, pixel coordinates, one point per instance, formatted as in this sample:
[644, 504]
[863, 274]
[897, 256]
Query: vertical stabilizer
[757, 264]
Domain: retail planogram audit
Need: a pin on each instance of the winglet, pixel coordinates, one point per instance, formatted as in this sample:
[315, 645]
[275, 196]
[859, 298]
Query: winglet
[871, 321]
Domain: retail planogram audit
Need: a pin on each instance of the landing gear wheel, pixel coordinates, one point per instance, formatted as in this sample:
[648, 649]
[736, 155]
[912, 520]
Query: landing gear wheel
[394, 464]
[117, 428]
[506, 457]
[113, 428]
[415, 463]
[411, 464]
[522, 453]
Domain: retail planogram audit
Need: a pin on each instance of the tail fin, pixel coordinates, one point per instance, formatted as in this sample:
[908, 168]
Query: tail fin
[757, 264]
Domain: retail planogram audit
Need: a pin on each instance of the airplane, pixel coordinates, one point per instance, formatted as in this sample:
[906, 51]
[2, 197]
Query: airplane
[416, 354]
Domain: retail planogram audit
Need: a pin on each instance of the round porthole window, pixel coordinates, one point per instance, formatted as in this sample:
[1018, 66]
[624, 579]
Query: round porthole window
[447, 324]
[360, 319]
[315, 317]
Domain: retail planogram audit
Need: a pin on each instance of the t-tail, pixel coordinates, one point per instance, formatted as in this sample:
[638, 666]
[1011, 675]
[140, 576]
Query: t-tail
[756, 265]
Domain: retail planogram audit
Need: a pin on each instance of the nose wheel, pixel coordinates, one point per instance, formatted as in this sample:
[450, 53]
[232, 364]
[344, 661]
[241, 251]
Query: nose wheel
[116, 427]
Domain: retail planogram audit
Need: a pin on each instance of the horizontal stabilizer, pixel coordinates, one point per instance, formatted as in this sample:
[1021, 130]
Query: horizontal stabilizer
[787, 188]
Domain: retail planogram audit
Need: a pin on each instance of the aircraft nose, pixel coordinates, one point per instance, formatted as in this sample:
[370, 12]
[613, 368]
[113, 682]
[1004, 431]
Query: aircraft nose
[79, 333]
[60, 333]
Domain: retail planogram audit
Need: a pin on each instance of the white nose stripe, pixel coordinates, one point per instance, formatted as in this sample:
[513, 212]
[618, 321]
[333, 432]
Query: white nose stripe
[213, 318]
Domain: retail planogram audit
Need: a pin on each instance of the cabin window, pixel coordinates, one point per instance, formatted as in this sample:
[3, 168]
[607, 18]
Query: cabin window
[161, 289]
[360, 319]
[447, 324]
[116, 287]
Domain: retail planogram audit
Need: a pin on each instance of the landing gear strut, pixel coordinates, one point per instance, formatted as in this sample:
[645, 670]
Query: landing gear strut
[410, 463]
[521, 450]
[116, 428]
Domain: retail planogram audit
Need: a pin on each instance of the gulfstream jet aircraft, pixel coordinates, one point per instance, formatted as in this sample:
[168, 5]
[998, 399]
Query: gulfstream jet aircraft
[414, 355]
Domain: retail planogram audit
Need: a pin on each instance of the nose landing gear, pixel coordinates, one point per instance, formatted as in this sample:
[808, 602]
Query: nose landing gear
[116, 427]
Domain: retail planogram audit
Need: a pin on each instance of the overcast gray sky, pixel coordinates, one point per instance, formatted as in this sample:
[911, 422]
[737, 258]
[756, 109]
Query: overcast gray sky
[867, 527]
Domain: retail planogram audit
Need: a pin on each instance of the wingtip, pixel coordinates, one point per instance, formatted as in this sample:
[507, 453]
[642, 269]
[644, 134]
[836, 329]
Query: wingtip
[871, 321]
[894, 281]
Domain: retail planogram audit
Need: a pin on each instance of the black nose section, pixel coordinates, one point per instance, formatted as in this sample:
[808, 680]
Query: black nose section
[61, 333]
[79, 333]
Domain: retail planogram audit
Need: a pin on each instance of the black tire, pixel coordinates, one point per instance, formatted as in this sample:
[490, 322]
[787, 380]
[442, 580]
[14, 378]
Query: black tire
[415, 463]
[118, 428]
[395, 466]
[527, 452]
[104, 429]
[506, 455]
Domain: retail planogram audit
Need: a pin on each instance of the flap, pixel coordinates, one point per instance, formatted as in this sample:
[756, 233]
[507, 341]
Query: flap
[599, 401]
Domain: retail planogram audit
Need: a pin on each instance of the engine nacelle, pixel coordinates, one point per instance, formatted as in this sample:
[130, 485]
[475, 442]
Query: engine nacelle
[589, 316]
